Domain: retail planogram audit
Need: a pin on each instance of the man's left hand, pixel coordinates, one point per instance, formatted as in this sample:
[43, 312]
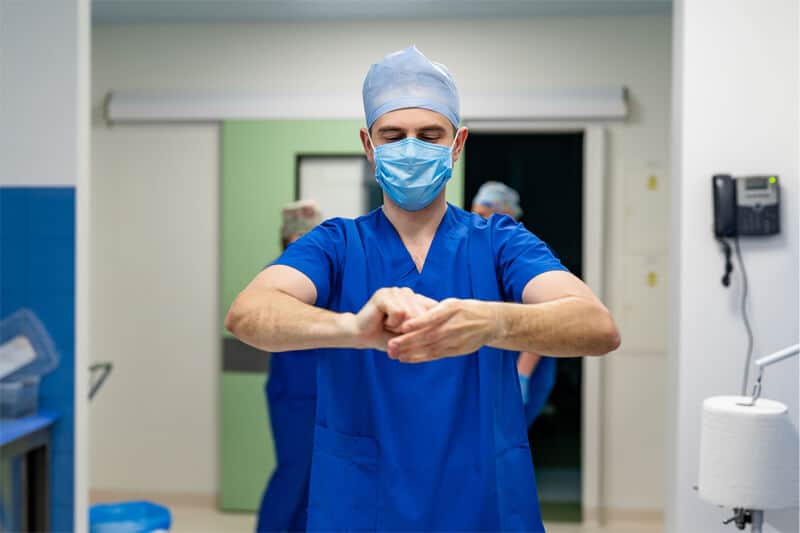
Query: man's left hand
[452, 327]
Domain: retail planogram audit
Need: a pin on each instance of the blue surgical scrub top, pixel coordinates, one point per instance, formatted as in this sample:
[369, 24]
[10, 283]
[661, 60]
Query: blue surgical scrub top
[434, 446]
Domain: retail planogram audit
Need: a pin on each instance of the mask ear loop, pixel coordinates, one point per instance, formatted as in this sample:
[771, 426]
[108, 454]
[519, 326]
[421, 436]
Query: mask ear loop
[453, 145]
[371, 145]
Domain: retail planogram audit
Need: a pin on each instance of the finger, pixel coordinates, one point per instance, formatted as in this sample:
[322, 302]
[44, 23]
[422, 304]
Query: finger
[400, 313]
[383, 340]
[426, 302]
[432, 317]
[397, 305]
[394, 318]
[369, 316]
[395, 308]
[413, 341]
[440, 349]
[430, 302]
[413, 304]
[413, 299]
[437, 344]
[420, 304]
[422, 353]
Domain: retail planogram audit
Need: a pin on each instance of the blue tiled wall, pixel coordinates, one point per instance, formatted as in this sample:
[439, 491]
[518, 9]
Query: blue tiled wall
[37, 270]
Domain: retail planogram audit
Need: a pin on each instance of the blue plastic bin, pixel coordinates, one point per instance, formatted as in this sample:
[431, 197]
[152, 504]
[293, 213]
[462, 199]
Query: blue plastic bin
[129, 517]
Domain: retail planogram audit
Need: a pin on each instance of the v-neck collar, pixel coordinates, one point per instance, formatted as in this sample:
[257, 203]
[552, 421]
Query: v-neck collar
[398, 247]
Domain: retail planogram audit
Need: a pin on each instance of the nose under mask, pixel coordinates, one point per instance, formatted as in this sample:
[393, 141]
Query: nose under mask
[413, 172]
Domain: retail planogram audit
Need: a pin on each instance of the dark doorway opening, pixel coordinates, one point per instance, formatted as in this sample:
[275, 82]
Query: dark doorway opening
[546, 169]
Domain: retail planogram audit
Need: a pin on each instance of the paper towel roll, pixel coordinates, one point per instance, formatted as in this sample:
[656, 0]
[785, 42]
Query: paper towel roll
[748, 455]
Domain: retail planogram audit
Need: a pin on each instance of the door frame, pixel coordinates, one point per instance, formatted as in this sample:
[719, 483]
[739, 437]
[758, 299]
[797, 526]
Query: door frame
[595, 175]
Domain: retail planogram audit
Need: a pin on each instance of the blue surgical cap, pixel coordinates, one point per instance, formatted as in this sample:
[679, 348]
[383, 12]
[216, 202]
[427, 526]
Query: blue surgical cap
[499, 197]
[409, 79]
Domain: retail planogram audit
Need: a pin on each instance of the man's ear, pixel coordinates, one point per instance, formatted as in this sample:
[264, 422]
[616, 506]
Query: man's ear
[367, 145]
[461, 139]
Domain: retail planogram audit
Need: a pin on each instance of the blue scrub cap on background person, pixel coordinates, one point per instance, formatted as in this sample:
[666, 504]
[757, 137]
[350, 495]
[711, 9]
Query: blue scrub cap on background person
[407, 78]
[499, 197]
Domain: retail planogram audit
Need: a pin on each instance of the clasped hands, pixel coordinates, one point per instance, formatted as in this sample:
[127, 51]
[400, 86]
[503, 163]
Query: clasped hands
[413, 328]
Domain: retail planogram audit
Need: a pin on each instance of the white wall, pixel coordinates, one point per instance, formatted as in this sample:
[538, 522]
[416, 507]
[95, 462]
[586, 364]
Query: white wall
[521, 54]
[155, 308]
[39, 108]
[44, 142]
[736, 110]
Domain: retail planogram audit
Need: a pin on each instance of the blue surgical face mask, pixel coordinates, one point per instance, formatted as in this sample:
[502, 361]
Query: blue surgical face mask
[413, 172]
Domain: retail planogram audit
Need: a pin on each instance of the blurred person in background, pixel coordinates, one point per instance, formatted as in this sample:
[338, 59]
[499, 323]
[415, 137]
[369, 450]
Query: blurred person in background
[537, 373]
[291, 392]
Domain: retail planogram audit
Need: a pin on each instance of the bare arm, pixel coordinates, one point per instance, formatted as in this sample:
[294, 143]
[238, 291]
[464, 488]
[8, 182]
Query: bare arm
[275, 313]
[560, 316]
[527, 362]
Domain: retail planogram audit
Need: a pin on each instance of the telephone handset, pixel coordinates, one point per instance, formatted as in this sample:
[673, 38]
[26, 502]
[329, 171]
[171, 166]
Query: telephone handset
[724, 206]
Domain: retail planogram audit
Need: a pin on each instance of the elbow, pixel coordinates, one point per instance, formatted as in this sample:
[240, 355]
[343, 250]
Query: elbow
[246, 321]
[613, 339]
[607, 336]
[234, 318]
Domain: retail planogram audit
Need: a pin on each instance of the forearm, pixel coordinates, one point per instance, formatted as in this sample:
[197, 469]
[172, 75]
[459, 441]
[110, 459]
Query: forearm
[570, 326]
[272, 320]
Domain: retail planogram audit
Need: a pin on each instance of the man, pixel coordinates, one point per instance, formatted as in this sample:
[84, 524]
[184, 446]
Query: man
[291, 392]
[440, 445]
[537, 374]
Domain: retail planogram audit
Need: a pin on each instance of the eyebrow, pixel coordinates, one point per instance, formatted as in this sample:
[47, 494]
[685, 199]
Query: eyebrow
[390, 129]
[432, 129]
[435, 128]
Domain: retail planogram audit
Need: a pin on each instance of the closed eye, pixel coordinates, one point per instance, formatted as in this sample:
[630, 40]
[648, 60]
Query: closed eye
[431, 134]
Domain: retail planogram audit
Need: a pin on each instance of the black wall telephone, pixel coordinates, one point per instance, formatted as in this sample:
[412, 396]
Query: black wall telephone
[748, 205]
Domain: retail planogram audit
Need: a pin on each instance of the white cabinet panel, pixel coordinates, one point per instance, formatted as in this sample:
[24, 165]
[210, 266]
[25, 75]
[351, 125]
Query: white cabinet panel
[643, 307]
[343, 186]
[646, 211]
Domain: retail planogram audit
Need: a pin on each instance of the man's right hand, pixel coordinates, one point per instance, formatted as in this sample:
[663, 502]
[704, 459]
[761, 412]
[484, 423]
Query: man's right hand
[381, 317]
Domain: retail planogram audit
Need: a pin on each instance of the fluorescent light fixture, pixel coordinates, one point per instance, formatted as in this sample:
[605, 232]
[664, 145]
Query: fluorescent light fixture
[491, 105]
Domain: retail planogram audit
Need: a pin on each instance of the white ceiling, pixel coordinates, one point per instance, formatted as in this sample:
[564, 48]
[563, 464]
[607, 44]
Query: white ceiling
[142, 11]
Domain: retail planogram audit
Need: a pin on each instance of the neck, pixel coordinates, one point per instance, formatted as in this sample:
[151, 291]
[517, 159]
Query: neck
[411, 224]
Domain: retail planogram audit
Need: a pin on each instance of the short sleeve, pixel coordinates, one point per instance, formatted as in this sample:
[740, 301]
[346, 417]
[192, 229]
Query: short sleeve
[317, 254]
[520, 255]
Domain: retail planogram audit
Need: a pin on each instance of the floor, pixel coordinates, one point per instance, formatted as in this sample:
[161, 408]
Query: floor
[206, 520]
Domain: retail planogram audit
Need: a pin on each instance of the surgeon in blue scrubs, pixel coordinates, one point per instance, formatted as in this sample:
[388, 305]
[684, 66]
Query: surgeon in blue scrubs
[417, 311]
[291, 391]
[537, 373]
